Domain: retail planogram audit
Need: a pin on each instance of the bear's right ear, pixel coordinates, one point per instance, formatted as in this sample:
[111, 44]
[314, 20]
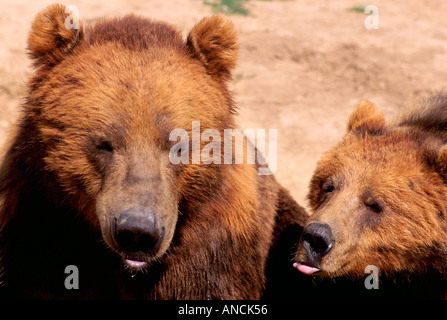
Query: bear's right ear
[366, 118]
[213, 41]
[53, 36]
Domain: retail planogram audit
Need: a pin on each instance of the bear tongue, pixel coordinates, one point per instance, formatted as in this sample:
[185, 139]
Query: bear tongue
[305, 268]
[135, 264]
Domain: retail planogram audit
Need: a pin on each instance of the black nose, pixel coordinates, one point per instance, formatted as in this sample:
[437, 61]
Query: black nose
[136, 231]
[317, 240]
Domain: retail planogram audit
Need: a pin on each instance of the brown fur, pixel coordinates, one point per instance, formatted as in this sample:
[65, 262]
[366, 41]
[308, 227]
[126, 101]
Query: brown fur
[214, 48]
[93, 140]
[49, 40]
[386, 204]
[366, 118]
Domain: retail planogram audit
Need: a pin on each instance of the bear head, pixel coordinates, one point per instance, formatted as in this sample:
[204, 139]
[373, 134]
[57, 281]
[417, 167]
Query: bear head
[378, 198]
[101, 107]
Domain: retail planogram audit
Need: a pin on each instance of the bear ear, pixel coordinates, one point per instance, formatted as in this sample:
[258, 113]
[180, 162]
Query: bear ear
[213, 41]
[54, 33]
[366, 118]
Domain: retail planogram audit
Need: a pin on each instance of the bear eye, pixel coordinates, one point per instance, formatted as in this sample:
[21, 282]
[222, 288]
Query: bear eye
[328, 186]
[374, 205]
[105, 146]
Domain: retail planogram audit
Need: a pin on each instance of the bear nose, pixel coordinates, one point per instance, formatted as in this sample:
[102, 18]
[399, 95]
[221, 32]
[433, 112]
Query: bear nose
[137, 232]
[317, 240]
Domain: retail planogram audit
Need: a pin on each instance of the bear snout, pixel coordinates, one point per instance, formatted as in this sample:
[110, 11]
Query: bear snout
[317, 240]
[138, 233]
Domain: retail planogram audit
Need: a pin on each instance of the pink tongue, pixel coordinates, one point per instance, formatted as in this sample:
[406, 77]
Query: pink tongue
[305, 269]
[135, 264]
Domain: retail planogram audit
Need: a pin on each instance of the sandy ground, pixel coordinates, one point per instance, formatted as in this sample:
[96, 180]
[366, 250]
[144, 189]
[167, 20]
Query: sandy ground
[303, 64]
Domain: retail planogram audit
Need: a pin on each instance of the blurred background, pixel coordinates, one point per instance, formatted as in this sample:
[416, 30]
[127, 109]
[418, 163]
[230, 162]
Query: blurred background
[303, 65]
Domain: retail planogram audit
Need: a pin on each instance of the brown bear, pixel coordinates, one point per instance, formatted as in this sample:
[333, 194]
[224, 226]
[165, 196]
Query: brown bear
[88, 192]
[379, 200]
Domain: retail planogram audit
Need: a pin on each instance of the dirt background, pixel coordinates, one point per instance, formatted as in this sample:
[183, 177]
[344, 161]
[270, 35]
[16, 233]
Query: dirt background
[303, 66]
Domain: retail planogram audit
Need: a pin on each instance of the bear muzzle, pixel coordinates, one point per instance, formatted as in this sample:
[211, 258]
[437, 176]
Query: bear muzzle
[316, 242]
[138, 235]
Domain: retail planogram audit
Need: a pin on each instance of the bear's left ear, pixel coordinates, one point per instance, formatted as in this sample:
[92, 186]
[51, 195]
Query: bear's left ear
[213, 41]
[366, 118]
[53, 35]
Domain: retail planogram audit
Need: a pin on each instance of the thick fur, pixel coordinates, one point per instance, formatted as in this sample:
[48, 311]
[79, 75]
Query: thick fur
[386, 205]
[93, 139]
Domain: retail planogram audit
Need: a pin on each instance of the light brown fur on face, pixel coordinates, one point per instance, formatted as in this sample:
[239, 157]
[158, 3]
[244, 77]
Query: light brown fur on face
[142, 103]
[381, 191]
[87, 179]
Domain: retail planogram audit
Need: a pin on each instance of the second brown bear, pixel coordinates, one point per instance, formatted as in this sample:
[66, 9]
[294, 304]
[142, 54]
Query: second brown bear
[379, 204]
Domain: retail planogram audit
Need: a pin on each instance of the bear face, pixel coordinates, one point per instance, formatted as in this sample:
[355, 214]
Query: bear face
[378, 199]
[112, 162]
[89, 181]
